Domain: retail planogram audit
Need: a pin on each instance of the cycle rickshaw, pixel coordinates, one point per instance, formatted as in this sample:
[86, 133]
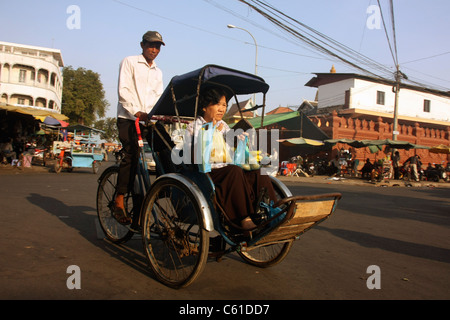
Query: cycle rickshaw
[82, 152]
[177, 214]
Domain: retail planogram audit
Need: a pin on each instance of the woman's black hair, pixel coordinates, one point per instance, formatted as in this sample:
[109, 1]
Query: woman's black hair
[211, 95]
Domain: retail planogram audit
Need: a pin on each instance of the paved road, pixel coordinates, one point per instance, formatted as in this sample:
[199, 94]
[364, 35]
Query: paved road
[48, 224]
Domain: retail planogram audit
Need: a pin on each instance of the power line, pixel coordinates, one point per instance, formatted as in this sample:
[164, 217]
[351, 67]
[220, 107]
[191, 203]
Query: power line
[315, 39]
[172, 20]
[393, 31]
[433, 56]
[329, 46]
[387, 35]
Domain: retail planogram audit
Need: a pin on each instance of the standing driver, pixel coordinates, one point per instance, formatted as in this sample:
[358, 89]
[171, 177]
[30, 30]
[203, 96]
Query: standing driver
[140, 86]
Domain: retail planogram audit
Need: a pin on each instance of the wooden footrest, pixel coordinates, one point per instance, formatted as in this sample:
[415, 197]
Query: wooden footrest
[302, 213]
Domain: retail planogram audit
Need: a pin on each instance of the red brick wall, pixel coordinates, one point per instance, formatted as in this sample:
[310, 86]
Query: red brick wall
[379, 128]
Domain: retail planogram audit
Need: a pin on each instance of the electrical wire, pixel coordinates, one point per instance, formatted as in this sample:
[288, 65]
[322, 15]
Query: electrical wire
[328, 46]
[315, 39]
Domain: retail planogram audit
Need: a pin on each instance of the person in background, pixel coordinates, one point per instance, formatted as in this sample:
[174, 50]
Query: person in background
[396, 164]
[368, 170]
[7, 151]
[414, 163]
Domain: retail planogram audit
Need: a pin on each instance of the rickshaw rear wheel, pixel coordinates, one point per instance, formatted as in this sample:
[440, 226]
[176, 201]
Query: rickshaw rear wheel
[174, 237]
[106, 195]
[270, 254]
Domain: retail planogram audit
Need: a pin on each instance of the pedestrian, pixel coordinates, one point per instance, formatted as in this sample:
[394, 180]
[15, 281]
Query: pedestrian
[368, 170]
[414, 162]
[396, 165]
[139, 88]
[7, 151]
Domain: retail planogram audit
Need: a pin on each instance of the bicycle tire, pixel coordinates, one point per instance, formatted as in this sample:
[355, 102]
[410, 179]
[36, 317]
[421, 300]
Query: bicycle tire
[174, 238]
[106, 194]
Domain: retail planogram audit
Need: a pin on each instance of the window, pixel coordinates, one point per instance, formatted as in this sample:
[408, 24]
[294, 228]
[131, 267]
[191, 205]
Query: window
[22, 75]
[426, 105]
[380, 97]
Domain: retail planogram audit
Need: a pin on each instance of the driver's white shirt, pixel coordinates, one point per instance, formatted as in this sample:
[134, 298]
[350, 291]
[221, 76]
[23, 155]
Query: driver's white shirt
[139, 87]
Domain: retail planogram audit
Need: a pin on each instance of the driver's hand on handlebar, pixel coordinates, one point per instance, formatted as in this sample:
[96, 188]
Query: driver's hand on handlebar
[141, 115]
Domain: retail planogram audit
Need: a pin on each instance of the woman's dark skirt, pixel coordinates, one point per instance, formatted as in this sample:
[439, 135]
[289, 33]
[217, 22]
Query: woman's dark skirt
[237, 190]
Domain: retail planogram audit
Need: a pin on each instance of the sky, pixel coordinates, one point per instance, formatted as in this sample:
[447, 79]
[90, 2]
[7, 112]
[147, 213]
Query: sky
[98, 34]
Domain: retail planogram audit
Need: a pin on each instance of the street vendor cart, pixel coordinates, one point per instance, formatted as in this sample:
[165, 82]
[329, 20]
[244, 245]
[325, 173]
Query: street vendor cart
[79, 151]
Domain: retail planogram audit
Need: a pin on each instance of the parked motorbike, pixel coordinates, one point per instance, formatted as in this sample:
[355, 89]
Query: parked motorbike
[309, 168]
[321, 166]
[405, 173]
[437, 173]
[40, 155]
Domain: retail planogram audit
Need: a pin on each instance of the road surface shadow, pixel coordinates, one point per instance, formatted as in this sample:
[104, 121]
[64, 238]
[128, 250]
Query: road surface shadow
[398, 246]
[79, 218]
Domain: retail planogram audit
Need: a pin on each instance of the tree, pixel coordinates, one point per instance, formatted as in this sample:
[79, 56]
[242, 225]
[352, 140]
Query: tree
[83, 98]
[109, 127]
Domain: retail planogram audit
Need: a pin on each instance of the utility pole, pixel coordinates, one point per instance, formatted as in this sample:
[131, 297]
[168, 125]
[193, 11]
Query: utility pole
[396, 90]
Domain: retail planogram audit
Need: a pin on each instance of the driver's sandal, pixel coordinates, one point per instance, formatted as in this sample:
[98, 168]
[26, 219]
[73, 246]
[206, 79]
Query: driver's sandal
[121, 216]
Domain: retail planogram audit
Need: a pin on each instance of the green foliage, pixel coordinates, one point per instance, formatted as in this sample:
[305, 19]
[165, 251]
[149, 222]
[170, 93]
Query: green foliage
[83, 98]
[109, 126]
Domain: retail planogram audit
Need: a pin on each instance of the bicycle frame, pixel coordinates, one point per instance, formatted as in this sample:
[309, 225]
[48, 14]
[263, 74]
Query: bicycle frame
[142, 170]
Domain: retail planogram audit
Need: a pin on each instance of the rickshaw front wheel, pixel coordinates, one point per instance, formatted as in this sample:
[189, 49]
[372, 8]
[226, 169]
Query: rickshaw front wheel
[174, 237]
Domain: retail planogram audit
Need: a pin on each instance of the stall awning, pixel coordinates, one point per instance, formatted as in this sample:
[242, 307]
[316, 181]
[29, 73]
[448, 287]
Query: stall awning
[296, 124]
[33, 111]
[272, 118]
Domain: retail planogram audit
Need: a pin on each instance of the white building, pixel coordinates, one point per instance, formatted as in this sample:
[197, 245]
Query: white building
[360, 94]
[31, 76]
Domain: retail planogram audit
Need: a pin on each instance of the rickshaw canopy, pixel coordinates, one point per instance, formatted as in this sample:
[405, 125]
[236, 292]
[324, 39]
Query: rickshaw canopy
[185, 88]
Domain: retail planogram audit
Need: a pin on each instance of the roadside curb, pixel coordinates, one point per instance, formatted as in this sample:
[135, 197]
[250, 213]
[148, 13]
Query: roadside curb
[361, 182]
[36, 169]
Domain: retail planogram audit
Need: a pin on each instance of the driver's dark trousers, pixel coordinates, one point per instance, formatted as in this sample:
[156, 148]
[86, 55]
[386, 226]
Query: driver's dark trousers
[127, 167]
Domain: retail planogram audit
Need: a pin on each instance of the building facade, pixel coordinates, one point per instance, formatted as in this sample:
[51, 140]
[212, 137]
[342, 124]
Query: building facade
[233, 114]
[360, 107]
[31, 76]
[370, 95]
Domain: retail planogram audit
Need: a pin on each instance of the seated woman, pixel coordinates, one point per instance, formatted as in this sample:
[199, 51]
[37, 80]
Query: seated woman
[236, 189]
